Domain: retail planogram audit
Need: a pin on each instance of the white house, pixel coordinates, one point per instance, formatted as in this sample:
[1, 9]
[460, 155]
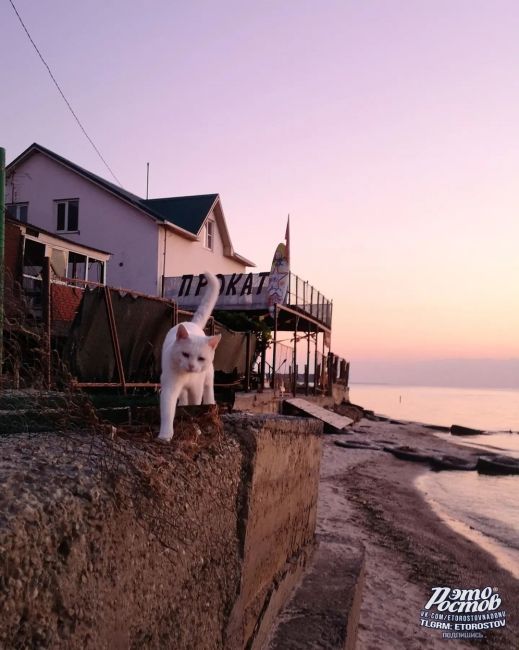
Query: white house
[147, 239]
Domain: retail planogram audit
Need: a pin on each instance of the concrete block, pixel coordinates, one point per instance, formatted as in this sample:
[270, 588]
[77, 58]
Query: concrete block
[323, 612]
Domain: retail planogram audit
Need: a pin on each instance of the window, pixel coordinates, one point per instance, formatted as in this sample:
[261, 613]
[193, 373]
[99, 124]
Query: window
[58, 262]
[76, 266]
[33, 258]
[33, 261]
[95, 270]
[209, 235]
[67, 213]
[18, 211]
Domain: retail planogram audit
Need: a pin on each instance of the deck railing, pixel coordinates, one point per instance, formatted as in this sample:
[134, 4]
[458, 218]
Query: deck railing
[303, 296]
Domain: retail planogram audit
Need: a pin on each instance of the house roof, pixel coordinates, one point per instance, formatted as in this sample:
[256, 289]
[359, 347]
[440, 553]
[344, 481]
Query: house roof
[36, 231]
[184, 214]
[188, 212]
[114, 189]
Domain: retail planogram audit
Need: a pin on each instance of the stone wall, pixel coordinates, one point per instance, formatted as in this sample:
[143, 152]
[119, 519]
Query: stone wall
[270, 401]
[133, 544]
[279, 518]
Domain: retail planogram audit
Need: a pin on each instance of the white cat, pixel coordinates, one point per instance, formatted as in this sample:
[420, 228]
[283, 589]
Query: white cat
[187, 362]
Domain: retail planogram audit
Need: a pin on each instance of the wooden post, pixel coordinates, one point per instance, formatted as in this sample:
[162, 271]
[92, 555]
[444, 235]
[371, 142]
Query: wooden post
[294, 386]
[46, 314]
[247, 361]
[115, 338]
[323, 364]
[262, 368]
[307, 366]
[330, 365]
[315, 359]
[274, 350]
[2, 257]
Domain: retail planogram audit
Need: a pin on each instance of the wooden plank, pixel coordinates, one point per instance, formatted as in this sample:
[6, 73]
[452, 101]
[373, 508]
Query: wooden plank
[332, 421]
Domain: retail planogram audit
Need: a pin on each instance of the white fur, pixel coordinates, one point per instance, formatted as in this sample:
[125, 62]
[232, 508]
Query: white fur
[187, 362]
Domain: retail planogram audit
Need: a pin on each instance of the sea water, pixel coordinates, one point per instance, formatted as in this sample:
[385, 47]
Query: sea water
[487, 409]
[480, 507]
[483, 508]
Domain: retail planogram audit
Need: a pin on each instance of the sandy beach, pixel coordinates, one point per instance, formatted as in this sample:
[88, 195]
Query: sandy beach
[409, 549]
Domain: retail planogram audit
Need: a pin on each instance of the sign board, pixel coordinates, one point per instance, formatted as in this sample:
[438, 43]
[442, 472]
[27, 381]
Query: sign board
[244, 291]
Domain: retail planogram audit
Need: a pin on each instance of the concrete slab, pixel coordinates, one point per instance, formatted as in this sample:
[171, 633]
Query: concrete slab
[333, 422]
[324, 610]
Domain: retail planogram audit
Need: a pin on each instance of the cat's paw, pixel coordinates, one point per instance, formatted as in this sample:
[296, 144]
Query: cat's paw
[164, 437]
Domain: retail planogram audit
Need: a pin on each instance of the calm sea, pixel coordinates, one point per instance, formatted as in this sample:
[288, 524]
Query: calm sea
[483, 508]
[488, 409]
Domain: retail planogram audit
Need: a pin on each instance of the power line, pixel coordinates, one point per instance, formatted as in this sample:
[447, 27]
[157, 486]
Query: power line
[62, 93]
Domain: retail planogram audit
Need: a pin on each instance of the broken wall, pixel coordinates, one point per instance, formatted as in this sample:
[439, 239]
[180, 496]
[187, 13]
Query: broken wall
[132, 544]
[278, 519]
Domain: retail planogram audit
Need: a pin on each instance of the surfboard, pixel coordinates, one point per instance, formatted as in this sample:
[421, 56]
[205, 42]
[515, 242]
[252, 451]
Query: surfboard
[279, 278]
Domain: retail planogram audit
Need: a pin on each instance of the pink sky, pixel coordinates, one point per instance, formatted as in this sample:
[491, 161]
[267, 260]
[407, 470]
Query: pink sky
[388, 131]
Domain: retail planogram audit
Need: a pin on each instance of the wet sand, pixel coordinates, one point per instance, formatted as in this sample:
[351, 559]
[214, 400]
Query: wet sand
[409, 548]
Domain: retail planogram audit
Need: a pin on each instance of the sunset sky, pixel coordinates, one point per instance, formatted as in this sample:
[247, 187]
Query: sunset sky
[388, 130]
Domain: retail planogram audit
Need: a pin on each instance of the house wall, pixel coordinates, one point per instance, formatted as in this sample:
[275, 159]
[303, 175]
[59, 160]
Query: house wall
[184, 256]
[105, 222]
[135, 240]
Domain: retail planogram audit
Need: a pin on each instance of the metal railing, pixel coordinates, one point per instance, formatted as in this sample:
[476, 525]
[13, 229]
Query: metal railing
[303, 296]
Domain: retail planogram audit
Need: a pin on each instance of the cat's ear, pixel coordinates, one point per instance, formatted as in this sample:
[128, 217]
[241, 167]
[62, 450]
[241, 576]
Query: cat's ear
[182, 333]
[213, 341]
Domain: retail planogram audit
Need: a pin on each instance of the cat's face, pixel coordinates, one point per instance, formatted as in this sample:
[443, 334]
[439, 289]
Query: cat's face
[193, 353]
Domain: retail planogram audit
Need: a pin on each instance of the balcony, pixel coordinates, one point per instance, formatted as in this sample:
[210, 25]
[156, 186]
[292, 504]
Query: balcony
[303, 306]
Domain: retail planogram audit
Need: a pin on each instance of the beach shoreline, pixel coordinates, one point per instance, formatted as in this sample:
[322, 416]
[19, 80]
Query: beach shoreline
[372, 497]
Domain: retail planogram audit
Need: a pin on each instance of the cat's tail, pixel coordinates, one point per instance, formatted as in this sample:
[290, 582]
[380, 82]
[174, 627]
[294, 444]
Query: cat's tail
[205, 308]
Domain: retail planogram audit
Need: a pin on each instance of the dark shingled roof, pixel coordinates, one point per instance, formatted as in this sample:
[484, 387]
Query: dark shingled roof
[188, 212]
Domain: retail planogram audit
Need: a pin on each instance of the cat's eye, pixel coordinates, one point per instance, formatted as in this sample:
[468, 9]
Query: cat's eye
[201, 359]
[185, 354]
